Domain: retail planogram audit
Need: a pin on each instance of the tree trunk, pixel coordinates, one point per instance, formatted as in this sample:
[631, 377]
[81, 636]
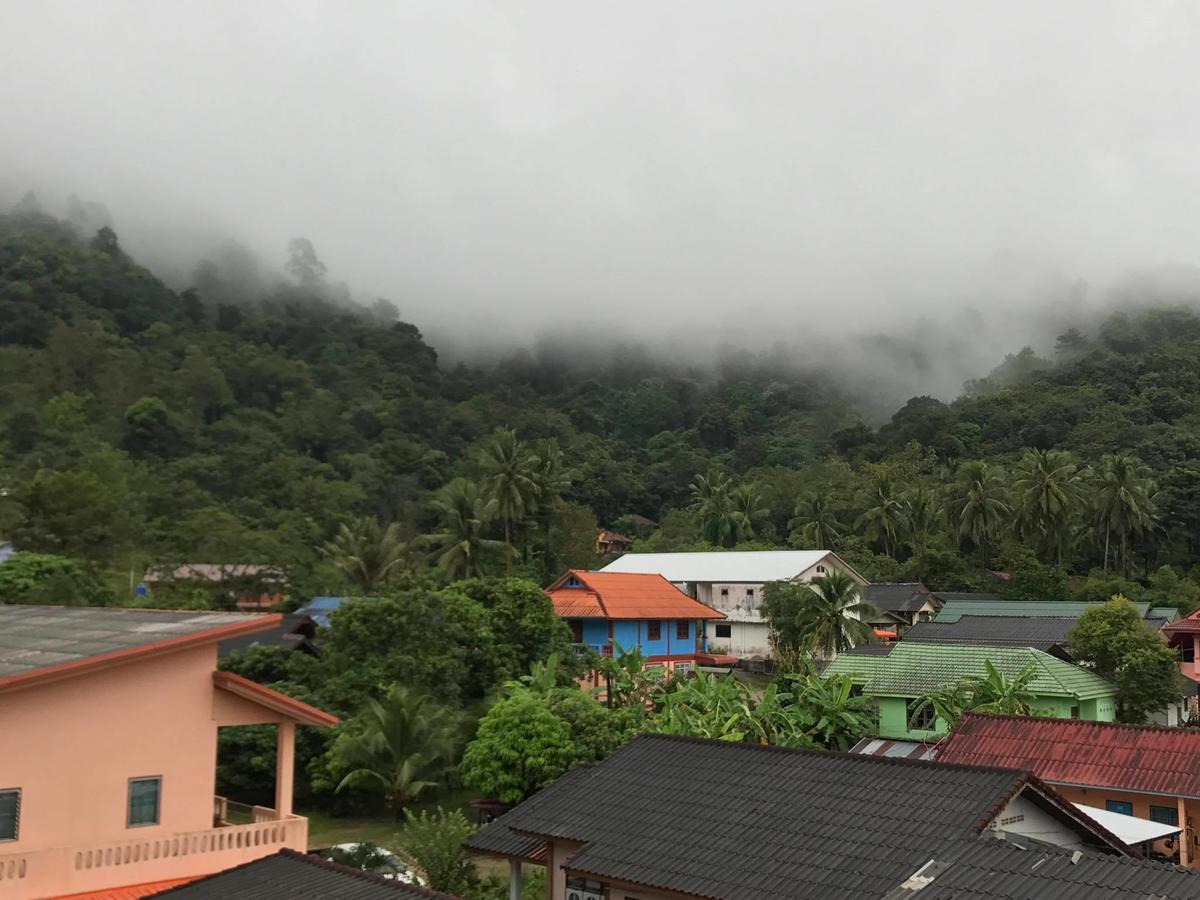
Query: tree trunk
[1107, 532]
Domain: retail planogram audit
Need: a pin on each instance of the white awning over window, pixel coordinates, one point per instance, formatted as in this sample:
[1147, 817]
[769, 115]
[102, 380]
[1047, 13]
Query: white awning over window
[1130, 829]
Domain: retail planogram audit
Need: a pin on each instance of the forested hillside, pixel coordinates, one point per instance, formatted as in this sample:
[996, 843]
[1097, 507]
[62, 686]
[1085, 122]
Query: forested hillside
[279, 424]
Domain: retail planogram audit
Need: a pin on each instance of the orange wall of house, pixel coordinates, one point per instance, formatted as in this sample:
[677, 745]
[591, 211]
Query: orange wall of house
[72, 746]
[1141, 809]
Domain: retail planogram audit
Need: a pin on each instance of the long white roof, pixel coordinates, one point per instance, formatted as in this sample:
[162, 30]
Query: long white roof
[1129, 829]
[734, 566]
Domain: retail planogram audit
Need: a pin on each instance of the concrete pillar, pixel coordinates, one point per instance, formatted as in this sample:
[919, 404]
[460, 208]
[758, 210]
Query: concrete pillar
[285, 767]
[515, 879]
[1185, 836]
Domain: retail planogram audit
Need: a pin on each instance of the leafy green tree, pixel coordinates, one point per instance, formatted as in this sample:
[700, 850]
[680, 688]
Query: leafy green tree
[826, 614]
[520, 747]
[44, 578]
[834, 718]
[367, 553]
[460, 547]
[433, 843]
[149, 429]
[400, 747]
[512, 478]
[1116, 643]
[629, 679]
[1049, 501]
[1032, 580]
[1123, 503]
[816, 523]
[522, 621]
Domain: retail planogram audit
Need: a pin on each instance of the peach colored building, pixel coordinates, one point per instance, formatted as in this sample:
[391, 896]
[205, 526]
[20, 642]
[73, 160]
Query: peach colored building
[108, 749]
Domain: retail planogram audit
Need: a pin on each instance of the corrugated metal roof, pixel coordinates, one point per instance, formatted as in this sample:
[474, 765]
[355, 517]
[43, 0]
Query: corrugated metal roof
[35, 637]
[1071, 751]
[915, 669]
[289, 875]
[958, 607]
[615, 595]
[747, 822]
[732, 567]
[1013, 868]
[1042, 632]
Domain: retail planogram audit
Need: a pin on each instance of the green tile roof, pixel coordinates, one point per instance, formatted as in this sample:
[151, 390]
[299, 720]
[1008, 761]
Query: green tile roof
[913, 670]
[1169, 613]
[1061, 609]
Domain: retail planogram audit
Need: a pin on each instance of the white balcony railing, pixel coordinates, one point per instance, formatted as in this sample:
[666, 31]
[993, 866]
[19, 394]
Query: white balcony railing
[69, 870]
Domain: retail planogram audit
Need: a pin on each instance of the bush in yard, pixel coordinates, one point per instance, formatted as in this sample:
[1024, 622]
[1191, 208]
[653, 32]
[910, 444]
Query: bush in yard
[520, 746]
[433, 843]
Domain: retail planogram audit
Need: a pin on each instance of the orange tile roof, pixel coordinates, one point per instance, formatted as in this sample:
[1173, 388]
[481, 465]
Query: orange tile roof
[132, 891]
[620, 595]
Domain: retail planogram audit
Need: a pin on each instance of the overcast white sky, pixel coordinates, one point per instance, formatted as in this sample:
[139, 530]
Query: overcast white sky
[764, 169]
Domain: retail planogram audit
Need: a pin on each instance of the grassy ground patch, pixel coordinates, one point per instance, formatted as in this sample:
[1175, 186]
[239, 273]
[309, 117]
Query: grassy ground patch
[325, 830]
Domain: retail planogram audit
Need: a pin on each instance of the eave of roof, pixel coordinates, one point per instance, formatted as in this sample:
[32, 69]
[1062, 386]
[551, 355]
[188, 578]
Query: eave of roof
[70, 669]
[286, 706]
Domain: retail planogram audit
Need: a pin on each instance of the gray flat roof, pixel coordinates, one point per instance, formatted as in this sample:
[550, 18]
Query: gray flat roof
[36, 637]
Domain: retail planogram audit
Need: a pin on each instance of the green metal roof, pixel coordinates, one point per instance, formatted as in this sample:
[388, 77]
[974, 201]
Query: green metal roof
[860, 667]
[913, 670]
[1169, 613]
[1060, 609]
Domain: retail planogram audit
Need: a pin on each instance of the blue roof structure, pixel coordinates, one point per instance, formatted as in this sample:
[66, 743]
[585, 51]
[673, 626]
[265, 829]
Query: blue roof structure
[6, 550]
[321, 608]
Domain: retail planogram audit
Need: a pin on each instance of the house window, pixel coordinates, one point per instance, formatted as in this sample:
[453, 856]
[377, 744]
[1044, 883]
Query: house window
[821, 569]
[921, 716]
[724, 631]
[750, 593]
[1167, 815]
[682, 631]
[576, 630]
[144, 796]
[654, 631]
[724, 592]
[923, 616]
[10, 814]
[1074, 712]
[1119, 806]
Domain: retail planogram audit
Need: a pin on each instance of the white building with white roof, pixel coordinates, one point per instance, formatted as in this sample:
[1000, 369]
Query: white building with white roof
[732, 582]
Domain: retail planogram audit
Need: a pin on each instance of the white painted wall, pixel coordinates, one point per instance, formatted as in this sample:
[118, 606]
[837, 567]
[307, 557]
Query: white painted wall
[1023, 817]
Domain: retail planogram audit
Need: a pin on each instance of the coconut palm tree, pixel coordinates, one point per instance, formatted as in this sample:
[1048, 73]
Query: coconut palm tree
[712, 500]
[367, 553]
[399, 747]
[977, 506]
[510, 478]
[880, 521]
[832, 614]
[460, 546]
[749, 514]
[1123, 496]
[920, 515]
[1049, 495]
[816, 524]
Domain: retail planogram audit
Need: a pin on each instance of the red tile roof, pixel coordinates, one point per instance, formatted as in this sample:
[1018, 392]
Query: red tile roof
[132, 891]
[1189, 624]
[620, 595]
[1149, 759]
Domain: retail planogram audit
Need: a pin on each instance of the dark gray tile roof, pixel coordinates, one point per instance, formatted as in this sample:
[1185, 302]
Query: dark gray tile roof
[34, 637]
[295, 632]
[990, 868]
[897, 596]
[740, 821]
[288, 875]
[997, 631]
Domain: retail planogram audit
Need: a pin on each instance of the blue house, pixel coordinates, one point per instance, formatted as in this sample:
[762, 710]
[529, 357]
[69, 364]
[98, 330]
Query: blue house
[609, 609]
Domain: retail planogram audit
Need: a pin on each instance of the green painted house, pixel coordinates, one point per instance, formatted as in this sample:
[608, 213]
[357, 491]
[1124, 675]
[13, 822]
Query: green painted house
[899, 678]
